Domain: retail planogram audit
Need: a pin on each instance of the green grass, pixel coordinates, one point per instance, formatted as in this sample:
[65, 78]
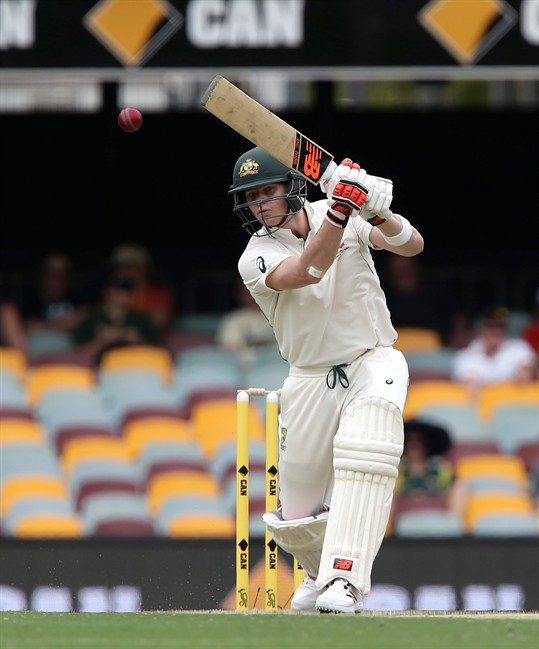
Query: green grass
[261, 630]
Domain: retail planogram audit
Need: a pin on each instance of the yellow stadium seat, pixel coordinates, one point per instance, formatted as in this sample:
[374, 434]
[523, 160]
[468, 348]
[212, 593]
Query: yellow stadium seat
[46, 526]
[494, 395]
[138, 433]
[179, 483]
[21, 487]
[92, 448]
[215, 423]
[437, 392]
[416, 339]
[139, 357]
[42, 378]
[14, 362]
[495, 465]
[482, 504]
[202, 526]
[21, 430]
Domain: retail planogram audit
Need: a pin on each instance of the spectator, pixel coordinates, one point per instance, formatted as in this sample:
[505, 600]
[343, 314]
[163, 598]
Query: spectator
[52, 303]
[424, 472]
[12, 332]
[414, 302]
[114, 321]
[246, 328]
[531, 331]
[154, 296]
[492, 356]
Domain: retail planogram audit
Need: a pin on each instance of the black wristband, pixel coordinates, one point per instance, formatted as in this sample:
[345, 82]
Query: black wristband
[335, 220]
[376, 220]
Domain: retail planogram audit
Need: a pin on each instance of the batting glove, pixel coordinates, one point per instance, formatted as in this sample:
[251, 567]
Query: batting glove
[348, 194]
[376, 208]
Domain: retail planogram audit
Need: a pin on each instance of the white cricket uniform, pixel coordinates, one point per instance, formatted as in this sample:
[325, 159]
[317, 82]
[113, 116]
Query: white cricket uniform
[341, 321]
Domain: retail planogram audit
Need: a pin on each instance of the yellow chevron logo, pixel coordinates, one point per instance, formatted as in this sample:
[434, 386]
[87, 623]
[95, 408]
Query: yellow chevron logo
[467, 29]
[133, 30]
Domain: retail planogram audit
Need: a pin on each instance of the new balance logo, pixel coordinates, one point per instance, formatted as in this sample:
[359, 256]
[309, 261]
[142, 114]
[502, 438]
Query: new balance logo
[343, 564]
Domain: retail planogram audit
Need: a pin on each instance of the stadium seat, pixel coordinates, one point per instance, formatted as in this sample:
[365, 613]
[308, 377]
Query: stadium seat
[43, 378]
[205, 323]
[135, 358]
[481, 504]
[42, 342]
[164, 457]
[203, 394]
[430, 364]
[127, 394]
[460, 419]
[28, 458]
[206, 368]
[507, 525]
[495, 395]
[528, 452]
[47, 526]
[403, 502]
[21, 430]
[117, 513]
[200, 525]
[431, 393]
[177, 341]
[76, 431]
[428, 523]
[514, 424]
[13, 393]
[92, 449]
[66, 408]
[32, 486]
[103, 476]
[495, 465]
[140, 433]
[215, 423]
[464, 448]
[177, 512]
[414, 339]
[171, 484]
[13, 362]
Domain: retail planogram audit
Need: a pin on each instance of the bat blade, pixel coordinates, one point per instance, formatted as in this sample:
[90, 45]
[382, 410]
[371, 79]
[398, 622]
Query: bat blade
[265, 129]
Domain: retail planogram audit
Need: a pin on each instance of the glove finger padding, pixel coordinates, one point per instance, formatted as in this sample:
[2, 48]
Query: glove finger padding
[379, 199]
[347, 199]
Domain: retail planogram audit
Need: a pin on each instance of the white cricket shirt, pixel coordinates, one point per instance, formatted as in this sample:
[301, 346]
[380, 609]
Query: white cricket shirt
[323, 324]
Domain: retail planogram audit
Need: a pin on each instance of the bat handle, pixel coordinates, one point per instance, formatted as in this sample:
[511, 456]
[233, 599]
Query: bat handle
[326, 176]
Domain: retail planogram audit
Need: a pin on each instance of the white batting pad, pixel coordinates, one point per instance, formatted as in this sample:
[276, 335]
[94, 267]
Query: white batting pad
[300, 537]
[367, 451]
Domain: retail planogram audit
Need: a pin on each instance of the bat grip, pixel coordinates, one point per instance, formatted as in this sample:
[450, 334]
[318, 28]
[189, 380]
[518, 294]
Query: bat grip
[326, 176]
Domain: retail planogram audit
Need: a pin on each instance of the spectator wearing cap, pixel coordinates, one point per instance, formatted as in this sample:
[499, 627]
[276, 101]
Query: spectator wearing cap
[153, 294]
[423, 469]
[114, 321]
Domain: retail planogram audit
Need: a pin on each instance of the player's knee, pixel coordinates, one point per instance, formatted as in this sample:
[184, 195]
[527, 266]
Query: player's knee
[370, 437]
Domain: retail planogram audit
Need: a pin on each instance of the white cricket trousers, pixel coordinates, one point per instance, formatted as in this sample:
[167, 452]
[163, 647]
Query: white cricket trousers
[310, 416]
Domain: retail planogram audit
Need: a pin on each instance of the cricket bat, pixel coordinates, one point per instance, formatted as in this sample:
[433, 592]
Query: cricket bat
[268, 131]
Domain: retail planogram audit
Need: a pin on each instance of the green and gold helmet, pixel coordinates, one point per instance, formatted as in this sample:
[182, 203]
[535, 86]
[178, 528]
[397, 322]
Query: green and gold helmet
[255, 168]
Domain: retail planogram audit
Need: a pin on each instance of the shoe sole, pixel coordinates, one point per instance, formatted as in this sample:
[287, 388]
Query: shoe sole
[325, 610]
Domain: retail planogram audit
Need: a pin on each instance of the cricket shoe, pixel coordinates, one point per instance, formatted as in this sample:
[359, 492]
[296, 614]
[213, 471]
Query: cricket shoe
[340, 597]
[304, 598]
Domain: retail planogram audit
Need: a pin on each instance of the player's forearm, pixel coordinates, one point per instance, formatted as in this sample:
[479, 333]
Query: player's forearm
[309, 267]
[396, 234]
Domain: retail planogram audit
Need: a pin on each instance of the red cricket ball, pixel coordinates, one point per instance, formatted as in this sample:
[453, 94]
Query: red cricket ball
[130, 120]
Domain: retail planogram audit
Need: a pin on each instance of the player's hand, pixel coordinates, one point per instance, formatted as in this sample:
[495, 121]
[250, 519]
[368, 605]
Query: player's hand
[334, 173]
[376, 208]
[349, 193]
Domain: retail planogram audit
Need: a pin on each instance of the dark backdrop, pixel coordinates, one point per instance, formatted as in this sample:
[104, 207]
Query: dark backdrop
[468, 180]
